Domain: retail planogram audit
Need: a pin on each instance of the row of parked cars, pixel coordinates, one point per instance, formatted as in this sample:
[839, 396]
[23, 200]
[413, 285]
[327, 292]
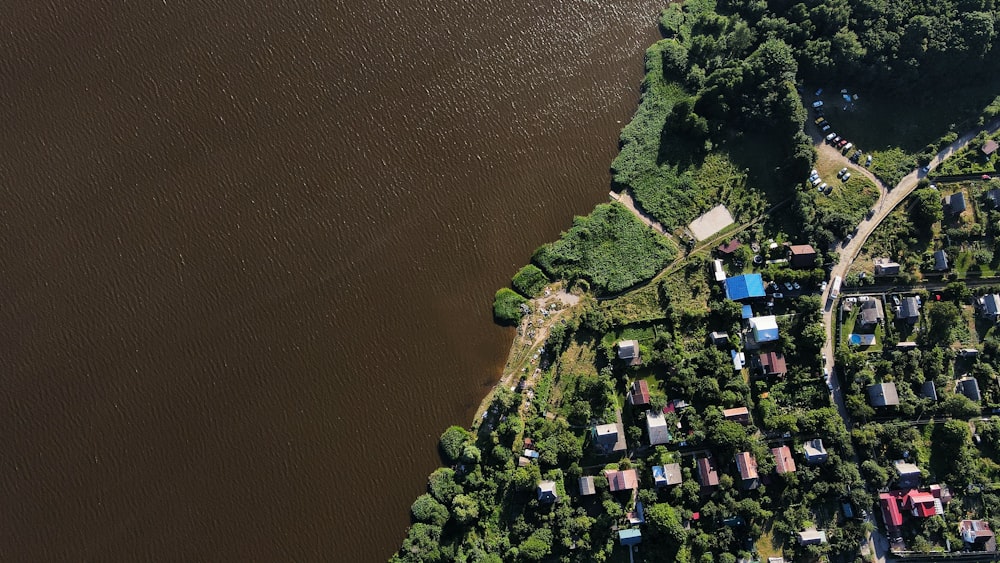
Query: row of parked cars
[836, 140]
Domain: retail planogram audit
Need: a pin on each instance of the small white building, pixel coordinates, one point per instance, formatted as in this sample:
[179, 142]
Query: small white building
[765, 329]
[656, 424]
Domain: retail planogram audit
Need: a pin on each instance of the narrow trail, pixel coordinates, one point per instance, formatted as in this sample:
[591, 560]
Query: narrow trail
[625, 198]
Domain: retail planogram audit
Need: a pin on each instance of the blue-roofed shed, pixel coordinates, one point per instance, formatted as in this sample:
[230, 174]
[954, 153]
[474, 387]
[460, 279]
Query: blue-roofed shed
[747, 311]
[631, 536]
[746, 286]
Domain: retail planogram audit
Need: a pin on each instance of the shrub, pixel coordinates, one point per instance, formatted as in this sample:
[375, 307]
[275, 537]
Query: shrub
[426, 509]
[892, 164]
[529, 281]
[507, 306]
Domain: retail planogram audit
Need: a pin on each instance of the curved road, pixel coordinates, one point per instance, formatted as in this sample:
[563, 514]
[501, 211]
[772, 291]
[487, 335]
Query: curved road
[887, 201]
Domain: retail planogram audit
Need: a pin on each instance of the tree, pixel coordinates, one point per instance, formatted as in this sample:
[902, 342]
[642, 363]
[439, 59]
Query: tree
[421, 544]
[538, 545]
[426, 509]
[465, 508]
[942, 317]
[442, 485]
[666, 524]
[927, 209]
[453, 441]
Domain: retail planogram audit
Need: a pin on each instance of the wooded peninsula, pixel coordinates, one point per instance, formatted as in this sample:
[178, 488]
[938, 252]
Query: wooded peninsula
[778, 341]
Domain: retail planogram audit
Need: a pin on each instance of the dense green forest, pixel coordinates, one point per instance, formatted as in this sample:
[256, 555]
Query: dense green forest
[722, 119]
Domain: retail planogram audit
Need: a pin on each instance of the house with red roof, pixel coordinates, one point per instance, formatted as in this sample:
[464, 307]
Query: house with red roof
[639, 395]
[890, 514]
[707, 475]
[739, 414]
[773, 363]
[747, 467]
[622, 480]
[783, 461]
[921, 504]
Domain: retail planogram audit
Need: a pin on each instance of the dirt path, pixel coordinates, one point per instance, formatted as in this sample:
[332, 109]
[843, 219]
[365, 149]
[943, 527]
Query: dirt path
[625, 198]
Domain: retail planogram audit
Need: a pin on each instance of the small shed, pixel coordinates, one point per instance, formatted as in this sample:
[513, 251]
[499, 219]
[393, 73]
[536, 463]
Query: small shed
[639, 395]
[989, 147]
[587, 486]
[773, 363]
[883, 395]
[765, 329]
[656, 425]
[738, 414]
[940, 261]
[886, 267]
[630, 537]
[628, 351]
[801, 256]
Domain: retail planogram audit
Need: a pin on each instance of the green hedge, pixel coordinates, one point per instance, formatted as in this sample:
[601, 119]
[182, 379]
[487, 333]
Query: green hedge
[529, 281]
[507, 306]
[610, 248]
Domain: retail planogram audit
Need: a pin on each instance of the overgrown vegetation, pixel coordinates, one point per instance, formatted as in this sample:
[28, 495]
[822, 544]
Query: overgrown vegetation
[507, 306]
[529, 281]
[610, 248]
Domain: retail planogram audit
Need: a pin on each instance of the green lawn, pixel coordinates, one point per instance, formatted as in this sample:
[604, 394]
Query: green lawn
[853, 325]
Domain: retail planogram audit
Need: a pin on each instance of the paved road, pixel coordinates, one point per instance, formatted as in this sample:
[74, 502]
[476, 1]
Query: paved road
[887, 201]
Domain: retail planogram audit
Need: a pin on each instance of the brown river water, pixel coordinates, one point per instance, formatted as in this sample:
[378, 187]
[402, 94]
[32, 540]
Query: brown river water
[248, 252]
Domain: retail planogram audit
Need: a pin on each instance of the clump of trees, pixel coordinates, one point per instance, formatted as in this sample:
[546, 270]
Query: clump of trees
[529, 281]
[507, 306]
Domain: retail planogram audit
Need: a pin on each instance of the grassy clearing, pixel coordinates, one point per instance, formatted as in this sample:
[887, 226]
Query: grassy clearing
[610, 248]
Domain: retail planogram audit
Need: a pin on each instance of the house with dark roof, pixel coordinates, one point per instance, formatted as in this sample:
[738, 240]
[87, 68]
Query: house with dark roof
[610, 438]
[747, 467]
[707, 475]
[587, 487]
[909, 310]
[928, 390]
[719, 338]
[815, 452]
[730, 247]
[955, 203]
[940, 260]
[969, 387]
[738, 414]
[773, 363]
[993, 196]
[977, 535]
[783, 460]
[547, 491]
[628, 352]
[883, 395]
[989, 307]
[871, 313]
[639, 395]
[622, 480]
[801, 256]
[886, 267]
[909, 474]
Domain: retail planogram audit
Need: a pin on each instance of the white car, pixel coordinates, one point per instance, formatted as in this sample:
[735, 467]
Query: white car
[815, 181]
[796, 286]
[778, 295]
[818, 104]
[822, 288]
[831, 136]
[842, 172]
[788, 286]
[846, 177]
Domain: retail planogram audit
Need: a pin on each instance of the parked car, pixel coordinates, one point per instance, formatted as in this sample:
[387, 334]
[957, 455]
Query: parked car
[895, 300]
[796, 286]
[788, 286]
[822, 288]
[842, 143]
[868, 161]
[815, 181]
[842, 172]
[779, 295]
[828, 190]
[925, 169]
[819, 120]
[825, 127]
[847, 147]
[846, 177]
[830, 137]
[818, 104]
[848, 238]
[987, 177]
[836, 140]
[822, 187]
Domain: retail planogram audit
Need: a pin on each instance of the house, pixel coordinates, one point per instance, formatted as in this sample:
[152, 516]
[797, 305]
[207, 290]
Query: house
[547, 491]
[994, 197]
[666, 475]
[720, 274]
[989, 147]
[955, 203]
[639, 395]
[920, 504]
[775, 560]
[719, 338]
[886, 267]
[630, 537]
[890, 513]
[587, 486]
[773, 363]
[940, 261]
[637, 515]
[801, 256]
[969, 387]
[977, 535]
[523, 461]
[628, 352]
[747, 467]
[656, 424]
[909, 475]
[739, 414]
[626, 480]
[811, 537]
[765, 329]
[783, 461]
[871, 313]
[883, 395]
[909, 310]
[610, 438]
[815, 452]
[730, 247]
[707, 475]
[989, 307]
[747, 286]
[906, 346]
[929, 390]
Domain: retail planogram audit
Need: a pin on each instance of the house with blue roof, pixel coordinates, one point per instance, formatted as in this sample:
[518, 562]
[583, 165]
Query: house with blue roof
[747, 286]
[632, 536]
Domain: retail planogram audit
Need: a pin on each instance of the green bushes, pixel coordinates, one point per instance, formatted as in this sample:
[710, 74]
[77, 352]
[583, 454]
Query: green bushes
[610, 248]
[453, 441]
[892, 164]
[529, 281]
[507, 306]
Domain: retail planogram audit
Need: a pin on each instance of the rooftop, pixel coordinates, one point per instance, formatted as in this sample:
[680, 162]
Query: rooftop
[746, 286]
[622, 480]
[883, 395]
[783, 460]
